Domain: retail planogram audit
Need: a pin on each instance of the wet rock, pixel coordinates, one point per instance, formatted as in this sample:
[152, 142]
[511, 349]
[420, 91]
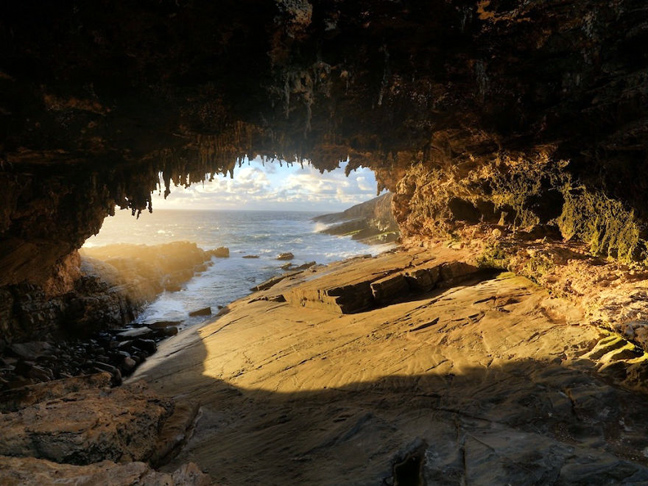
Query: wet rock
[167, 332]
[32, 350]
[220, 252]
[135, 333]
[128, 365]
[250, 256]
[305, 266]
[285, 256]
[286, 266]
[201, 312]
[147, 345]
[163, 324]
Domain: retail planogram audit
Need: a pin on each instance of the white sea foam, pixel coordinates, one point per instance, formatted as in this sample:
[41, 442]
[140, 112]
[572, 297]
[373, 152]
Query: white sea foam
[265, 234]
[319, 227]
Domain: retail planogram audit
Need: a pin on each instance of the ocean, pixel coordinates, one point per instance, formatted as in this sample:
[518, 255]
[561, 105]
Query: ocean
[262, 233]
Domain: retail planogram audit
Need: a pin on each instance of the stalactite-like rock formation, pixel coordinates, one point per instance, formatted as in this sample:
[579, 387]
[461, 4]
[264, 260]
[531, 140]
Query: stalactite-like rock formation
[526, 114]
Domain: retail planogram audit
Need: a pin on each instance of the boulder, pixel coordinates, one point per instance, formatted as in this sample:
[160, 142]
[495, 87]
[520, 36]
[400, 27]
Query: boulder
[163, 324]
[165, 332]
[250, 256]
[128, 364]
[32, 350]
[285, 256]
[305, 266]
[87, 426]
[138, 332]
[201, 312]
[220, 252]
[147, 345]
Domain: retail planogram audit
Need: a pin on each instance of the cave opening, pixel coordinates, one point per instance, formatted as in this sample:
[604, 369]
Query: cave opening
[210, 242]
[512, 138]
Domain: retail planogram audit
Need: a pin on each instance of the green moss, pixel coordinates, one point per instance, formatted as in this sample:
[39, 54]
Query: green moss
[604, 224]
[494, 256]
[537, 267]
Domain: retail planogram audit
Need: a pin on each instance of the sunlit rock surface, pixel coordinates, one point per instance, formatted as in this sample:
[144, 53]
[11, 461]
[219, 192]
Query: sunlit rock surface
[487, 381]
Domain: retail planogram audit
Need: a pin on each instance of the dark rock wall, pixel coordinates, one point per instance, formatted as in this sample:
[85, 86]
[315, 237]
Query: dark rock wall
[465, 109]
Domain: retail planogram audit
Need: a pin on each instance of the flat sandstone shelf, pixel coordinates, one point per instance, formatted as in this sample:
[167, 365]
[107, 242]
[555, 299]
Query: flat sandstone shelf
[484, 383]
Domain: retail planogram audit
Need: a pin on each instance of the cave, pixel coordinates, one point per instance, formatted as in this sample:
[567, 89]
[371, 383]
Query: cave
[511, 132]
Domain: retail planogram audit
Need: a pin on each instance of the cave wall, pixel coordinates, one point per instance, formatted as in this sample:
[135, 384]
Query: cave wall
[504, 112]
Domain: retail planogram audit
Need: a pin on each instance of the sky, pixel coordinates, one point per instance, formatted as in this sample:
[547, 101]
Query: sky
[271, 186]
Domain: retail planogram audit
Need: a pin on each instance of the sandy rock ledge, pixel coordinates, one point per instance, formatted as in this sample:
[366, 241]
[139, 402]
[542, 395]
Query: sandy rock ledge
[80, 431]
[27, 471]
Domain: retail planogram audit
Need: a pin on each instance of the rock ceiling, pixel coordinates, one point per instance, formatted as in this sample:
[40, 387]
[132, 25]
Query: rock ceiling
[518, 112]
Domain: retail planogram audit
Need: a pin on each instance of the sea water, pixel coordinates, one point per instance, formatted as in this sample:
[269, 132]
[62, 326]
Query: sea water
[265, 234]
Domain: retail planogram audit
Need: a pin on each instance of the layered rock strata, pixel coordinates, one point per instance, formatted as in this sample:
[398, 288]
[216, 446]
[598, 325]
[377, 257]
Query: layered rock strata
[485, 381]
[81, 430]
[98, 289]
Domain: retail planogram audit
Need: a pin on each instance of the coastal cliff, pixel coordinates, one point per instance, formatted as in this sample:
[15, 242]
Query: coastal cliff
[371, 222]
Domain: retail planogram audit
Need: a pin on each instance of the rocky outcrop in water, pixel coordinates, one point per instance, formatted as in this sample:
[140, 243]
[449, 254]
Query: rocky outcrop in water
[98, 289]
[76, 323]
[145, 271]
[371, 222]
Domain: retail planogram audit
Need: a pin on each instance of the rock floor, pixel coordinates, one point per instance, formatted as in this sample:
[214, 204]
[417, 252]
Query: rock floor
[488, 381]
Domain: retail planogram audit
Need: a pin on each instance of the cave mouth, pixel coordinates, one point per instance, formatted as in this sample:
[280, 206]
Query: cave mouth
[145, 277]
[514, 133]
[266, 220]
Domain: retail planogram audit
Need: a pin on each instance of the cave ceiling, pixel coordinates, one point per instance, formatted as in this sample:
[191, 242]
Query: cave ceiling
[98, 98]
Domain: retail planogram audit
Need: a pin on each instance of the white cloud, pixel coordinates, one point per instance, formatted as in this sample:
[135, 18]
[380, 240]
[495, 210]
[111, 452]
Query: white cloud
[273, 186]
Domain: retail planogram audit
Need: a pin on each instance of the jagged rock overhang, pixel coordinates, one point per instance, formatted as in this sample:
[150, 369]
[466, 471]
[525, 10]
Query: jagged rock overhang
[97, 99]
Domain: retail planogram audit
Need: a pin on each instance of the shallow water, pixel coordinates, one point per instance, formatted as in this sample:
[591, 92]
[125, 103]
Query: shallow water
[262, 233]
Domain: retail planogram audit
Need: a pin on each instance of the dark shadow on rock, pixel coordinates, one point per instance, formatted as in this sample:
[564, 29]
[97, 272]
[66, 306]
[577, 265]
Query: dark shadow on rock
[522, 422]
